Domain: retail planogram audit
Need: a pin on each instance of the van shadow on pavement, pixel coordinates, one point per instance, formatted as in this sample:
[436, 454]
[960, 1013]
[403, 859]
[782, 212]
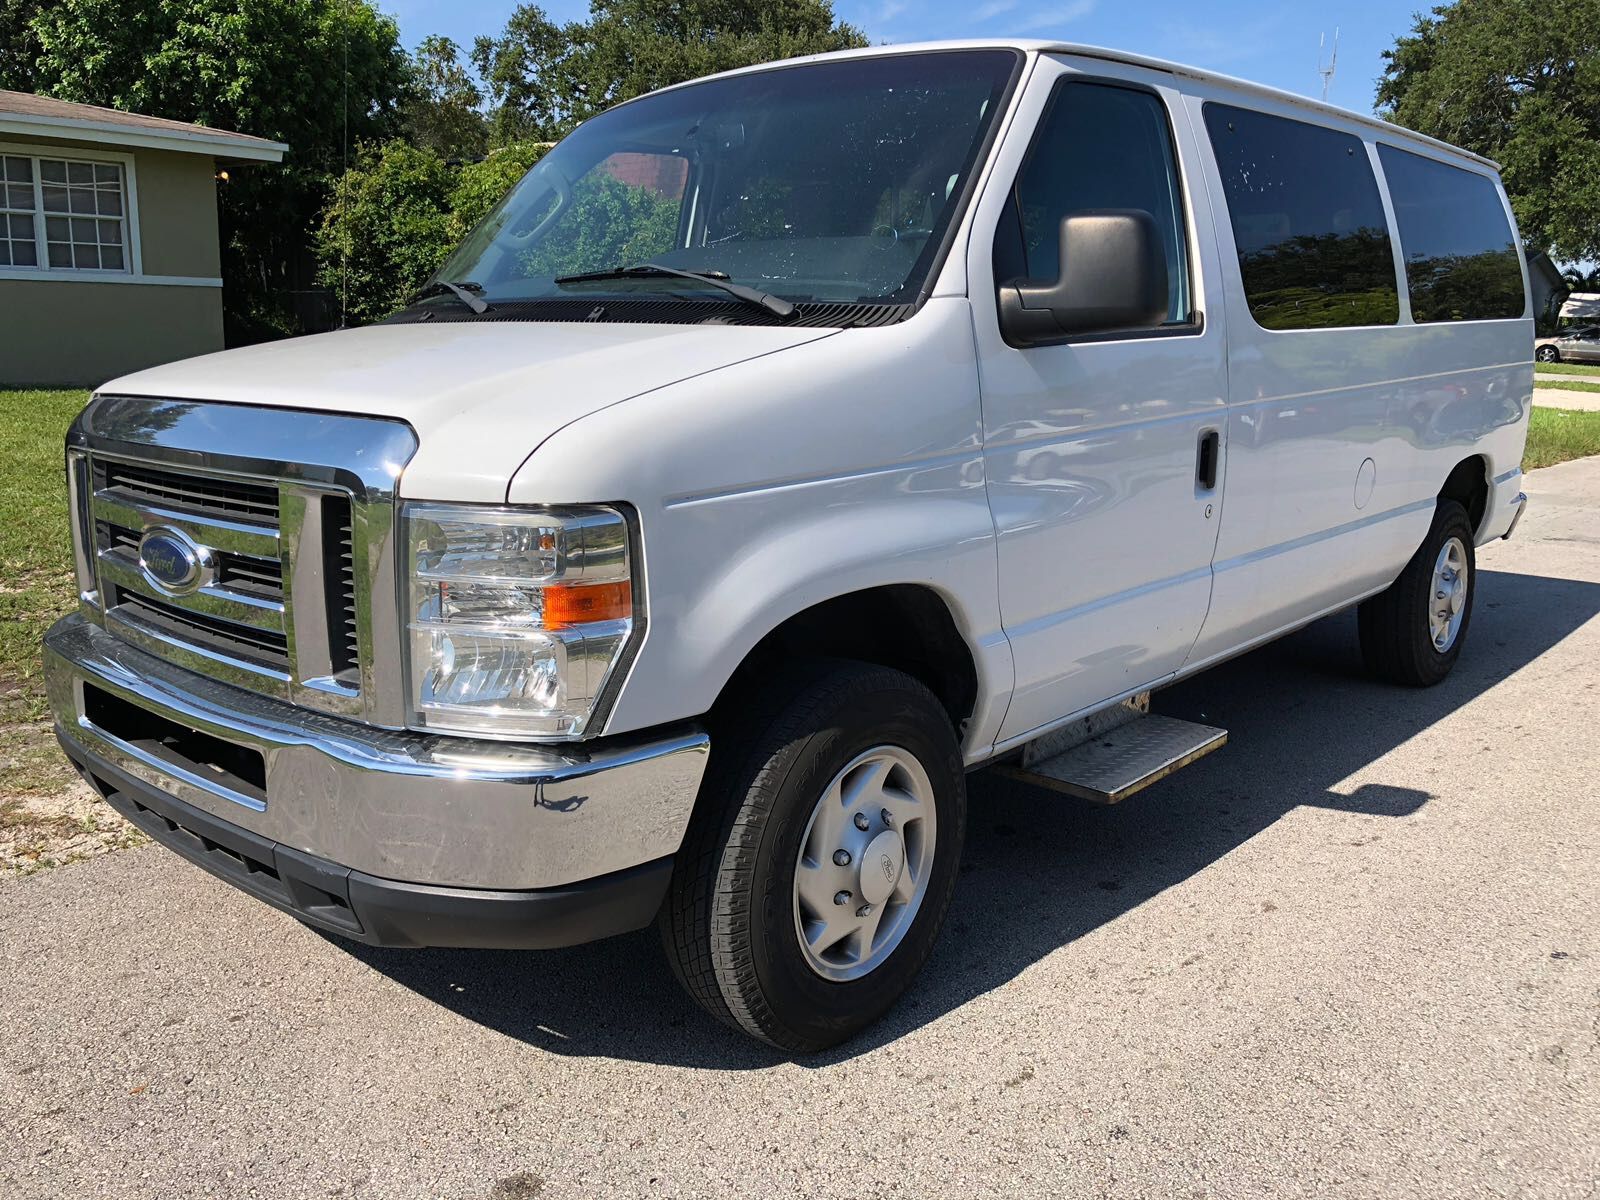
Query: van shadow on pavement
[1041, 870]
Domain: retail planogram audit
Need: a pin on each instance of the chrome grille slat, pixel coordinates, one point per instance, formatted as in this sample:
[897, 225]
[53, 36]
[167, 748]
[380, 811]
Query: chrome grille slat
[215, 495]
[248, 611]
[235, 537]
[259, 646]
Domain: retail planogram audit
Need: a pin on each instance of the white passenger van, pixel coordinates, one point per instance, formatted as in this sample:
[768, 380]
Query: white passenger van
[787, 445]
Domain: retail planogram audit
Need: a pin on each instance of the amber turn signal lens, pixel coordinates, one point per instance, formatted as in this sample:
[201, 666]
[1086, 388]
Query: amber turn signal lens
[585, 603]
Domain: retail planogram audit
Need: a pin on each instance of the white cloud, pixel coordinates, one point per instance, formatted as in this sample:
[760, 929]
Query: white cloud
[993, 9]
[1061, 15]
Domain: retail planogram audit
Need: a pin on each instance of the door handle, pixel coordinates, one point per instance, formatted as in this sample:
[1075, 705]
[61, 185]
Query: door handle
[1206, 464]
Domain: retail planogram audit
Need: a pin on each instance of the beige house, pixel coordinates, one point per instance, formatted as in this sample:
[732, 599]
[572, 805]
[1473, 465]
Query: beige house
[109, 253]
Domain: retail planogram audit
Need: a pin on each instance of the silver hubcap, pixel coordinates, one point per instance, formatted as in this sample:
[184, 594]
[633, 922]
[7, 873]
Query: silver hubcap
[1448, 603]
[864, 863]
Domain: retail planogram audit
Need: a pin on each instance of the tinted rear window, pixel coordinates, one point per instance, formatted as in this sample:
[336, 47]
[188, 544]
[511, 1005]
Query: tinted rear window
[1461, 256]
[1308, 221]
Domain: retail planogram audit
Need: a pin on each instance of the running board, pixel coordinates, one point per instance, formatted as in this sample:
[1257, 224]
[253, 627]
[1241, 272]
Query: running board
[1113, 764]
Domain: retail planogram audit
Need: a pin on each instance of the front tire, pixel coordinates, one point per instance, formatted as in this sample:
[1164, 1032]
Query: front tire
[1547, 354]
[845, 780]
[1412, 633]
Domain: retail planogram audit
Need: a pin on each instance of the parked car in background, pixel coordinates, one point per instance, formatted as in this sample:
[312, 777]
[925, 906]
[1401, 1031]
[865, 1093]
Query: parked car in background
[1579, 344]
[785, 446]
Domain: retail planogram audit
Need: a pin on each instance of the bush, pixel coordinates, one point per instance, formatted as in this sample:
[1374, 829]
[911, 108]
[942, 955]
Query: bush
[397, 213]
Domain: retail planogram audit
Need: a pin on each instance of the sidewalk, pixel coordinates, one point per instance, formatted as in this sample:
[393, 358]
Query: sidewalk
[1560, 398]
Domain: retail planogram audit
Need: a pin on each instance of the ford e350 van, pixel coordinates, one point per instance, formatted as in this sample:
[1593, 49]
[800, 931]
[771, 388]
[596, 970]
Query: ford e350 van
[787, 445]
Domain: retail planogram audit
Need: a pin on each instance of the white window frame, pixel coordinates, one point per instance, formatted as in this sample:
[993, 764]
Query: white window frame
[133, 268]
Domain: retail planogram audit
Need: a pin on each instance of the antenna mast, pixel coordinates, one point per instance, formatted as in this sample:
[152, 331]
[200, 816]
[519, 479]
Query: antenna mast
[1333, 62]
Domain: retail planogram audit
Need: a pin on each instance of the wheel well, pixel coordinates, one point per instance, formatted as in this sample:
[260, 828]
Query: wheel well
[1468, 485]
[904, 626]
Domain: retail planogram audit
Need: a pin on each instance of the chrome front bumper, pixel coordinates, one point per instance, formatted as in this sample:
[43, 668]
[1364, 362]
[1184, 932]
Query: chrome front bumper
[393, 805]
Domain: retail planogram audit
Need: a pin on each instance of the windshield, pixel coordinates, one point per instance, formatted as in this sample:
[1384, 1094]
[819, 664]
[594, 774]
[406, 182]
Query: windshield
[830, 182]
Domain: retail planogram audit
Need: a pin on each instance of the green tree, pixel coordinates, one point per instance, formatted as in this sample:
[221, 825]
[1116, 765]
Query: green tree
[386, 228]
[316, 74]
[609, 223]
[480, 185]
[543, 78]
[1518, 81]
[395, 215]
[442, 114]
[1580, 280]
[19, 45]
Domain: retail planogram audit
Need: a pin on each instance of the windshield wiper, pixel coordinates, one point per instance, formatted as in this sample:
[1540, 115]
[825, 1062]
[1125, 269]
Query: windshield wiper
[462, 291]
[716, 279]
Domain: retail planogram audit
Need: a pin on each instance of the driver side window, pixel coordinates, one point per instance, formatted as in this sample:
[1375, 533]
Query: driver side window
[1100, 145]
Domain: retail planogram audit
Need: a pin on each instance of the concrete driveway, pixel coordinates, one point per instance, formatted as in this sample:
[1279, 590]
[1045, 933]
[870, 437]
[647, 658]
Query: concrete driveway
[1357, 952]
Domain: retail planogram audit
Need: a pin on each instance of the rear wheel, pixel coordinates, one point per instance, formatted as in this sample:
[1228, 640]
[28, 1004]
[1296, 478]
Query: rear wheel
[822, 856]
[1412, 633]
[1547, 354]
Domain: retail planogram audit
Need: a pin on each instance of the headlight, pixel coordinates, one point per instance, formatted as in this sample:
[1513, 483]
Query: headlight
[517, 617]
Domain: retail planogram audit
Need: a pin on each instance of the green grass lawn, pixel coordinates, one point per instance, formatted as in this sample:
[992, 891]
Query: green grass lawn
[1567, 385]
[1557, 434]
[35, 544]
[36, 584]
[1567, 369]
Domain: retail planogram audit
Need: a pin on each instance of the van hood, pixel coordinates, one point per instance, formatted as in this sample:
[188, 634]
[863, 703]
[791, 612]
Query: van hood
[481, 397]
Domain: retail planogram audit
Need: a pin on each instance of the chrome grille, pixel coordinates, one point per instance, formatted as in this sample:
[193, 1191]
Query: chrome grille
[261, 577]
[264, 648]
[339, 536]
[282, 599]
[213, 495]
[237, 620]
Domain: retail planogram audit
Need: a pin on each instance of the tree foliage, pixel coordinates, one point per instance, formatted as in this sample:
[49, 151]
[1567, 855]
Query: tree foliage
[1291, 286]
[310, 73]
[442, 114]
[396, 214]
[543, 78]
[385, 229]
[480, 185]
[1518, 81]
[1583, 281]
[610, 223]
[19, 45]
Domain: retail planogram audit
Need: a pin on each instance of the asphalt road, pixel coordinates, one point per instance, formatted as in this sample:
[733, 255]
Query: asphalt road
[1355, 953]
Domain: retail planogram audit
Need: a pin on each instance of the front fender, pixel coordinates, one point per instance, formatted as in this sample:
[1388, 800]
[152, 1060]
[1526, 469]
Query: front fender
[769, 486]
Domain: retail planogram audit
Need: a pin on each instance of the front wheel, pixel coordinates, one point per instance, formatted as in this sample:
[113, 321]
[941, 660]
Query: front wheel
[1547, 354]
[822, 856]
[1412, 633]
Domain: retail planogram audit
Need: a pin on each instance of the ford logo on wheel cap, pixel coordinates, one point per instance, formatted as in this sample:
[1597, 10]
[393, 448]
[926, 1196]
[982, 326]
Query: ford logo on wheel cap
[172, 562]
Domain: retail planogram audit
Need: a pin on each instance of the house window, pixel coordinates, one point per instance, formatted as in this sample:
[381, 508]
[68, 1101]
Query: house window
[62, 214]
[19, 244]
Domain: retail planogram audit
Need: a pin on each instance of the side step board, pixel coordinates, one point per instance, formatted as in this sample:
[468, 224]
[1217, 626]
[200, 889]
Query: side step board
[1119, 752]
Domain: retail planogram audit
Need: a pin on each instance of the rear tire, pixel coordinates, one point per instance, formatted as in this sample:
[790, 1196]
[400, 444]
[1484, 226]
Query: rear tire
[1412, 633]
[742, 923]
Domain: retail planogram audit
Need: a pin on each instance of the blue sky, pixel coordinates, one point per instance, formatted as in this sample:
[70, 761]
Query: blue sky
[1268, 41]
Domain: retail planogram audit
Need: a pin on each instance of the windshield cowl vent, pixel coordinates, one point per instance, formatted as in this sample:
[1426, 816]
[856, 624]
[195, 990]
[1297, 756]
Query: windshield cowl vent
[677, 310]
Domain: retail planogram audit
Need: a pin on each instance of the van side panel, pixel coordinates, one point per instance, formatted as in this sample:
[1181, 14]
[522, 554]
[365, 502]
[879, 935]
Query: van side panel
[1307, 525]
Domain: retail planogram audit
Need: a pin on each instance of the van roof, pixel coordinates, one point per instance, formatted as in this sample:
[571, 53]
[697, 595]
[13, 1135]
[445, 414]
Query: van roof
[1244, 86]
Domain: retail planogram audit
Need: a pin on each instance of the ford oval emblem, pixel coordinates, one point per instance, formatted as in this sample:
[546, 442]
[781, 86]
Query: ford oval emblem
[171, 561]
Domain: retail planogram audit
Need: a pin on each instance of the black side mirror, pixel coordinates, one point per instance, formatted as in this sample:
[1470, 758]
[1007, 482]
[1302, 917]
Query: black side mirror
[1113, 276]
